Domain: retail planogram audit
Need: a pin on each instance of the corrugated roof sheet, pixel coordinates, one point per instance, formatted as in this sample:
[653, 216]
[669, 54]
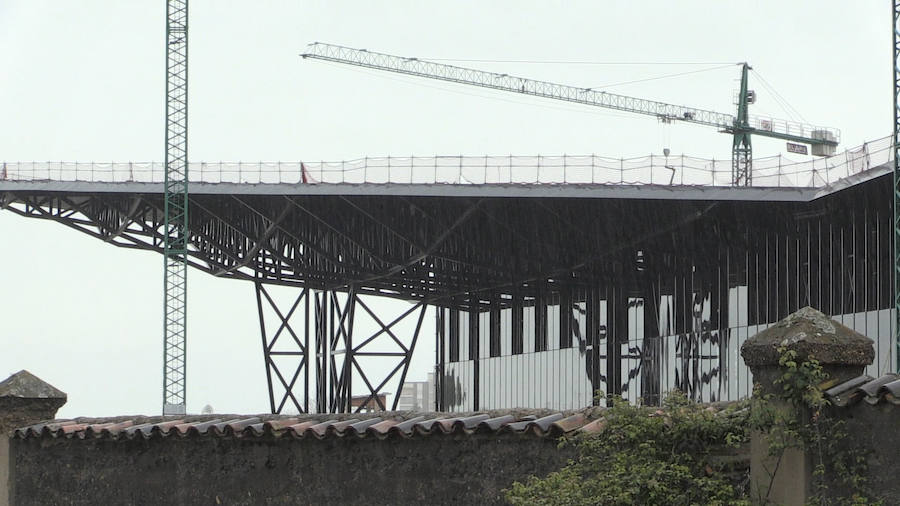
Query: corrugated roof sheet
[872, 390]
[386, 425]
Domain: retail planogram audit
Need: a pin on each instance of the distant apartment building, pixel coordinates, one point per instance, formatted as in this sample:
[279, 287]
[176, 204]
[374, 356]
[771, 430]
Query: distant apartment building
[417, 395]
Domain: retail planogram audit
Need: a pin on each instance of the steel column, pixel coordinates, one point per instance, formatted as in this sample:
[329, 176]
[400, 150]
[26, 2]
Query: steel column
[323, 355]
[278, 348]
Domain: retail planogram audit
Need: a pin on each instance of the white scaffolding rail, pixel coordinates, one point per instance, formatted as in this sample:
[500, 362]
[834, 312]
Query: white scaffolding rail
[675, 170]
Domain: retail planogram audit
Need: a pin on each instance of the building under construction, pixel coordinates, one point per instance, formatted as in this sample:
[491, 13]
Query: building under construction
[655, 289]
[552, 278]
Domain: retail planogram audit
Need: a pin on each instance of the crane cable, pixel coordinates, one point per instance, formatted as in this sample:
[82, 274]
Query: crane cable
[580, 62]
[780, 100]
[666, 76]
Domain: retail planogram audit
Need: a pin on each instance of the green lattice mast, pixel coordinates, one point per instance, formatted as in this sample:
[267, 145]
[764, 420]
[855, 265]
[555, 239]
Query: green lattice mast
[742, 150]
[895, 26]
[176, 209]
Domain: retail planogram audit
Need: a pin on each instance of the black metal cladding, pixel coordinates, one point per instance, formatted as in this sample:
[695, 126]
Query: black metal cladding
[701, 276]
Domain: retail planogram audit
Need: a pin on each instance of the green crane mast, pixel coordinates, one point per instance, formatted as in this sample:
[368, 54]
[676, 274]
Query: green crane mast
[176, 210]
[895, 30]
[823, 140]
[741, 149]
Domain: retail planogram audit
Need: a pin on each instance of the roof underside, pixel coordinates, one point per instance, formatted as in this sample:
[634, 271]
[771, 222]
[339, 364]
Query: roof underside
[440, 242]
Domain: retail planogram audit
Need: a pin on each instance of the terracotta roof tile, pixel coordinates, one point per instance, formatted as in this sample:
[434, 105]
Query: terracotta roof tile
[539, 426]
[275, 425]
[872, 390]
[319, 430]
[299, 429]
[568, 424]
[406, 428]
[338, 428]
[494, 424]
[359, 428]
[115, 428]
[382, 427]
[468, 423]
[892, 388]
[594, 427]
[73, 428]
[530, 423]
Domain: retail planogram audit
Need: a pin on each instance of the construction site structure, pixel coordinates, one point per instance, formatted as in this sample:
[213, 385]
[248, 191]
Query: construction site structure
[741, 126]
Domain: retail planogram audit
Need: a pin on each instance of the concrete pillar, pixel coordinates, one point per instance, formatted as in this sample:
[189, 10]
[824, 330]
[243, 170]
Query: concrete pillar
[24, 400]
[843, 353]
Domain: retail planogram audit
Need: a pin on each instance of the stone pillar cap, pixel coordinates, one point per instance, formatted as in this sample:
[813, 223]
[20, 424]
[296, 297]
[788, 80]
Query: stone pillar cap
[811, 334]
[25, 385]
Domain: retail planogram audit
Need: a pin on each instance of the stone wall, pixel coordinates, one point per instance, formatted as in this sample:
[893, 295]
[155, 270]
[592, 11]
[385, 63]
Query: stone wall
[436, 469]
[16, 412]
[875, 431]
[5, 470]
[24, 400]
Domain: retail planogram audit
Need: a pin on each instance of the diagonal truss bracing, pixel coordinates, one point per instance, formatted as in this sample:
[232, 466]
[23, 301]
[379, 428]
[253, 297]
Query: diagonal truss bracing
[176, 209]
[338, 337]
[351, 334]
[285, 349]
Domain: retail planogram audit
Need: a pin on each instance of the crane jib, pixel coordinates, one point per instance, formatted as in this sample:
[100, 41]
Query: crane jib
[742, 126]
[782, 129]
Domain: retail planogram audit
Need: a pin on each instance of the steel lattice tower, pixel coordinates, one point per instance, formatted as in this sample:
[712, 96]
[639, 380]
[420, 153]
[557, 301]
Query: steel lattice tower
[895, 29]
[176, 208]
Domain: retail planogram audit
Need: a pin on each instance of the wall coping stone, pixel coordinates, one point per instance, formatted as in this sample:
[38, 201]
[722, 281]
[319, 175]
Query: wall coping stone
[810, 333]
[25, 385]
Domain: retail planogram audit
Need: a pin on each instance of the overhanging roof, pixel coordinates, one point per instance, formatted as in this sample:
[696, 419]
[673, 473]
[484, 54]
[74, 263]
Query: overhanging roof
[503, 190]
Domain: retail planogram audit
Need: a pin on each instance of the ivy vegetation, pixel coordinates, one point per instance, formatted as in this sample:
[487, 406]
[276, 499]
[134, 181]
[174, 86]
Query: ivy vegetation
[647, 456]
[677, 454]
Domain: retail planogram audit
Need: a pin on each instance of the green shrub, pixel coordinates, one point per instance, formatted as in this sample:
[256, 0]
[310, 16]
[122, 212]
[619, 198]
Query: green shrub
[646, 456]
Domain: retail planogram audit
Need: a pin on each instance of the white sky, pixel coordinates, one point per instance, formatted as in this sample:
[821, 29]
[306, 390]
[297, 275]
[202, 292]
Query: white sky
[85, 81]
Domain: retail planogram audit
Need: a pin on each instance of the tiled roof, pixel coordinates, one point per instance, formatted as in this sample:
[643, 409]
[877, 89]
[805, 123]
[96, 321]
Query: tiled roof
[386, 425]
[872, 390]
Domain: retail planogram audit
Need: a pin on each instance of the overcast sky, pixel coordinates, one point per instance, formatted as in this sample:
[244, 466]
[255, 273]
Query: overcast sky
[85, 81]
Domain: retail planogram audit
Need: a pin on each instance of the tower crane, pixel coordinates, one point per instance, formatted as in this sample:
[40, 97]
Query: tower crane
[176, 237]
[741, 126]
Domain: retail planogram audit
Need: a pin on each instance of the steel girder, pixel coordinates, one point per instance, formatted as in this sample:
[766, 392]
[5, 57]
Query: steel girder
[438, 250]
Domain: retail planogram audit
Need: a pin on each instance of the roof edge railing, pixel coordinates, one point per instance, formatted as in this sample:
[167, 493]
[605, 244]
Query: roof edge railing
[675, 170]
